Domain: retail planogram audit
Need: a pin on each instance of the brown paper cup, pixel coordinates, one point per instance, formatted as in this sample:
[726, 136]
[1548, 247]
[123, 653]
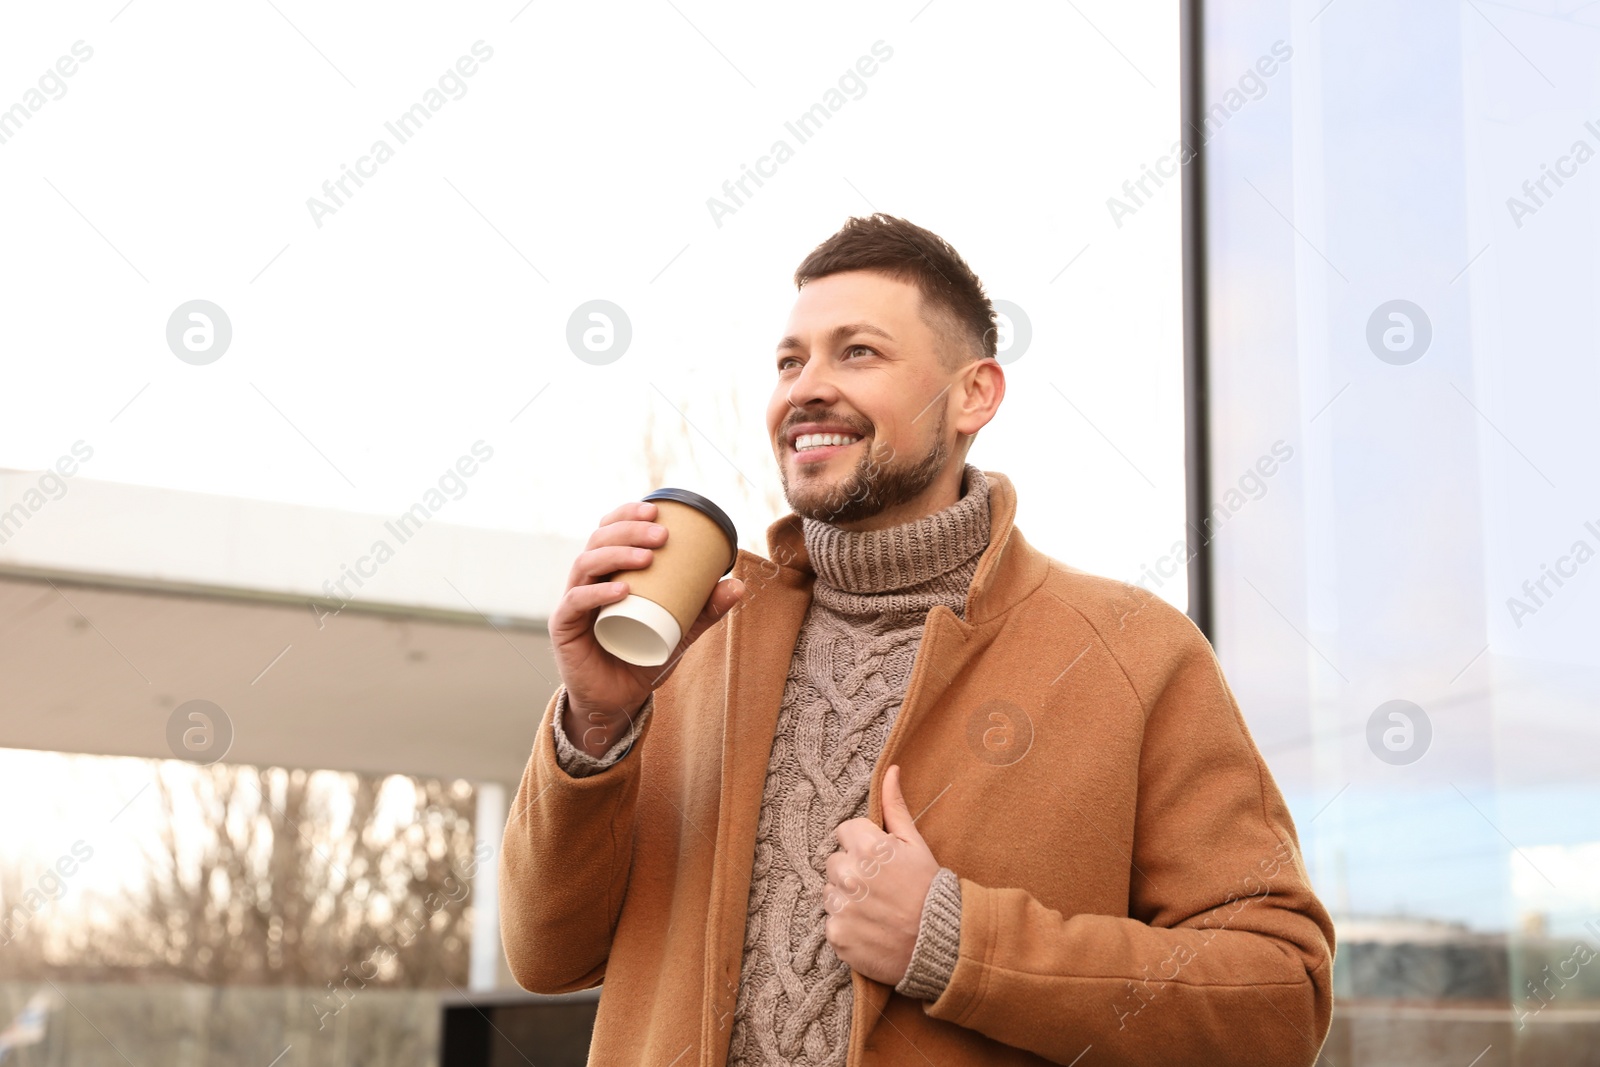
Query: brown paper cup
[665, 598]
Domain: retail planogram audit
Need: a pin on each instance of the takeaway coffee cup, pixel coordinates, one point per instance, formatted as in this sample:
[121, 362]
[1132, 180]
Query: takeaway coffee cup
[666, 597]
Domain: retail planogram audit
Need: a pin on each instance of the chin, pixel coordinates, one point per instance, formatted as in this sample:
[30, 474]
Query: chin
[827, 498]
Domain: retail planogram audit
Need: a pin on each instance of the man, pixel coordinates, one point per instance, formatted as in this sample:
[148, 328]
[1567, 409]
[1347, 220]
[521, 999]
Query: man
[910, 791]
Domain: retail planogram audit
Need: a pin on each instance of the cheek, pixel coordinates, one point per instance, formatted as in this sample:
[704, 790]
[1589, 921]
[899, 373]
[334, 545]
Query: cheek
[904, 420]
[775, 413]
[897, 437]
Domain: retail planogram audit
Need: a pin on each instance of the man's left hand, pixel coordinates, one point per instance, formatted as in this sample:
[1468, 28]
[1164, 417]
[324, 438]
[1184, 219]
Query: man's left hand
[876, 886]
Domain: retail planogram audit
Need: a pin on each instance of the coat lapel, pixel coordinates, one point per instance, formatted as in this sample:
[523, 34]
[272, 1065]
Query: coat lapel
[762, 633]
[942, 654]
[1008, 569]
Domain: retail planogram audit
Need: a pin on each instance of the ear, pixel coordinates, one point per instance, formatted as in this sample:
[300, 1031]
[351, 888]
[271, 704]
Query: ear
[981, 392]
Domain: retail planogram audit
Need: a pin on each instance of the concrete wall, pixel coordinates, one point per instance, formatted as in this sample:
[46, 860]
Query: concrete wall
[172, 539]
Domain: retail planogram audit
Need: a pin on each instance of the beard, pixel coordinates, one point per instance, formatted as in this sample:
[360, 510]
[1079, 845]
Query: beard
[872, 486]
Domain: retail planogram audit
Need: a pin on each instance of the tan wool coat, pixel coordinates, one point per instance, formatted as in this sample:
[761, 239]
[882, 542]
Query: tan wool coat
[1132, 889]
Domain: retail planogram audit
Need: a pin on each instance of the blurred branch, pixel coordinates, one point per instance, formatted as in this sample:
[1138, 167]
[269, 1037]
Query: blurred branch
[754, 478]
[281, 877]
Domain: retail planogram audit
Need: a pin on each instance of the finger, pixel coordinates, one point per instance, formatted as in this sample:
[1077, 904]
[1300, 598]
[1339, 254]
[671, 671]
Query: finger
[633, 509]
[598, 564]
[723, 599]
[849, 885]
[634, 533]
[858, 835]
[638, 515]
[837, 898]
[631, 531]
[896, 814]
[572, 613]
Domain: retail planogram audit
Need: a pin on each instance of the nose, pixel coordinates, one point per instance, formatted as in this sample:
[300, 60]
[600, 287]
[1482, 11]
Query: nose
[813, 383]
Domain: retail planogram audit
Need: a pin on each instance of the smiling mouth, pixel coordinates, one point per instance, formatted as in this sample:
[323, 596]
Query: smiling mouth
[819, 442]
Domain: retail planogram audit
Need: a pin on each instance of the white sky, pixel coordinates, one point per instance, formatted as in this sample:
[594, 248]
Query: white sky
[432, 306]
[428, 310]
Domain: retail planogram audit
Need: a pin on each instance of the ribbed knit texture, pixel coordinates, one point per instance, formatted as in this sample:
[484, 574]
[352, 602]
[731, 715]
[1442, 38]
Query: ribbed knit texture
[848, 676]
[578, 763]
[938, 939]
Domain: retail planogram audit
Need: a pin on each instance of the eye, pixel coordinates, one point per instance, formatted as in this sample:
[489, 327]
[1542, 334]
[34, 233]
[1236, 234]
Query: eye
[782, 363]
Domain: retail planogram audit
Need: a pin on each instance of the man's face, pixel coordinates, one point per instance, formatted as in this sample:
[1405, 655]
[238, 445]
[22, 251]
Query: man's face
[857, 358]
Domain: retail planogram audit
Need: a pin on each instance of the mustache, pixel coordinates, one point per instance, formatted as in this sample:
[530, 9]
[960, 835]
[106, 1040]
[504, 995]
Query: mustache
[823, 418]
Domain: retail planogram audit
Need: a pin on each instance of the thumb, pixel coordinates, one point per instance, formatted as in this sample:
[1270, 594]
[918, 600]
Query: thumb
[896, 815]
[727, 594]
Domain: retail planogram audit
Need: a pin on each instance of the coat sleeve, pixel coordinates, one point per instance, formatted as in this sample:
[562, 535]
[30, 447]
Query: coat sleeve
[1225, 956]
[564, 864]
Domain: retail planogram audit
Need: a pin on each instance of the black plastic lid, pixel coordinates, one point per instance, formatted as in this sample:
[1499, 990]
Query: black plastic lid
[704, 505]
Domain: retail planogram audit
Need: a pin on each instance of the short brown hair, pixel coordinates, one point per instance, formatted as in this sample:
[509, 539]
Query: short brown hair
[953, 300]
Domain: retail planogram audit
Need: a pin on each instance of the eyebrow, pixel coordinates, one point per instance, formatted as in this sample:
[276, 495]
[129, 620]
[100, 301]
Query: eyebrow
[837, 334]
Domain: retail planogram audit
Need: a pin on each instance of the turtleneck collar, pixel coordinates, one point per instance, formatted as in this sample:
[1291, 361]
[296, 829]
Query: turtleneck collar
[908, 567]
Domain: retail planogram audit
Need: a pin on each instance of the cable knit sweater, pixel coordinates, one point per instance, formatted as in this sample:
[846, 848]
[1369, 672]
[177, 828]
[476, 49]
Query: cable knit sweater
[847, 678]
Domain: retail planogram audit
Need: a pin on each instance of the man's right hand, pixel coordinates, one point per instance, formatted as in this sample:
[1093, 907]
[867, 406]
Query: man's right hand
[604, 692]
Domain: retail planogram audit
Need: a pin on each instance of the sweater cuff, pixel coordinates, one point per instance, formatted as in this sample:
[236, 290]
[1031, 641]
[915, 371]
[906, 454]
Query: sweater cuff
[578, 763]
[933, 957]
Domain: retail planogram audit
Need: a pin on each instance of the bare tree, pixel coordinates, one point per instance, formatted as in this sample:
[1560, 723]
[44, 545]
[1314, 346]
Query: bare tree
[658, 450]
[263, 875]
[21, 946]
[722, 419]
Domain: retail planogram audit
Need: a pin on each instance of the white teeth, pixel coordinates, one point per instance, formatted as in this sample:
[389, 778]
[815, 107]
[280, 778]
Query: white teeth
[818, 440]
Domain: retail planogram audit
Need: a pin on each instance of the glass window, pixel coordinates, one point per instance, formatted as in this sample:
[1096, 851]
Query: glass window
[1402, 210]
